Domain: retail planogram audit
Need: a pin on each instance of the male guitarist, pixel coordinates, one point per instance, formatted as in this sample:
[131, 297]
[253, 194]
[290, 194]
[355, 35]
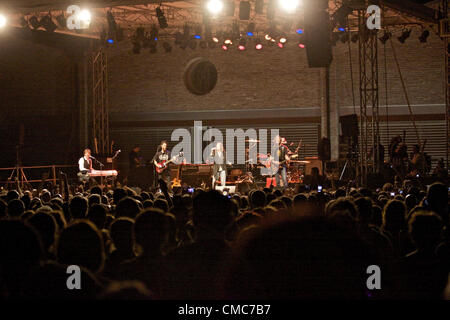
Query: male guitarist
[281, 160]
[160, 160]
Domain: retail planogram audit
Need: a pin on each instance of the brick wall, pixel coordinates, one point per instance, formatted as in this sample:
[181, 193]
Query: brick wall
[270, 78]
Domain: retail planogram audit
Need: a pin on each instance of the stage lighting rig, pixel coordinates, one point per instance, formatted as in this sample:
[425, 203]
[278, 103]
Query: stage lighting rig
[214, 6]
[161, 18]
[405, 35]
[48, 24]
[34, 22]
[424, 36]
[3, 21]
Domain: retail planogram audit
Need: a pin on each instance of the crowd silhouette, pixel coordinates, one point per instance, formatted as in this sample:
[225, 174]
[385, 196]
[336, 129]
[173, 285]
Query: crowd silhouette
[265, 244]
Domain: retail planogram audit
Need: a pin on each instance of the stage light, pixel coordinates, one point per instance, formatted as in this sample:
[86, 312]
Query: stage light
[385, 37]
[224, 47]
[35, 24]
[242, 44]
[301, 45]
[161, 18]
[110, 41]
[250, 29]
[228, 42]
[299, 31]
[355, 38]
[48, 24]
[280, 45]
[267, 37]
[197, 36]
[214, 6]
[283, 40]
[341, 29]
[167, 47]
[2, 21]
[289, 5]
[405, 35]
[216, 40]
[85, 16]
[423, 37]
[258, 46]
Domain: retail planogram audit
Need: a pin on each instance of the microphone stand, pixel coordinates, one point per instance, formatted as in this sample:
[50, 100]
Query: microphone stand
[101, 166]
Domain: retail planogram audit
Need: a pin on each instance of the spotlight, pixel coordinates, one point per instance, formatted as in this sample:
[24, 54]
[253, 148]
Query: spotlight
[154, 33]
[283, 40]
[215, 39]
[224, 47]
[214, 6]
[355, 38]
[301, 45]
[280, 45]
[405, 35]
[48, 23]
[385, 37]
[299, 31]
[167, 47]
[2, 21]
[341, 29]
[242, 44]
[250, 29]
[228, 42]
[85, 18]
[161, 18]
[197, 36]
[136, 47]
[289, 5]
[258, 45]
[110, 41]
[35, 24]
[267, 37]
[423, 37]
[203, 44]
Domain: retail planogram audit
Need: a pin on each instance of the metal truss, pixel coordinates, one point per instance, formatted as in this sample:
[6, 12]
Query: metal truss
[100, 117]
[369, 113]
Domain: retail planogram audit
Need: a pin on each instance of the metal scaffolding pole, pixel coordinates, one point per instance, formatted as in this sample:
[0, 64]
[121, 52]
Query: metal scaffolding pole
[447, 76]
[100, 102]
[368, 90]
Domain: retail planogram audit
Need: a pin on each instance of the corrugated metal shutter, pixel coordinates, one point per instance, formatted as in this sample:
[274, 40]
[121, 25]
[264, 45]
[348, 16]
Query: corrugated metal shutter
[149, 138]
[433, 131]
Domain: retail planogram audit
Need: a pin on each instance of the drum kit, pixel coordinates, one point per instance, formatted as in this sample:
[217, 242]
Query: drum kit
[260, 169]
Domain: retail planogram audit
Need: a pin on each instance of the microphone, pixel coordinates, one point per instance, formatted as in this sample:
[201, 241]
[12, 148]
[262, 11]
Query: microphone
[92, 157]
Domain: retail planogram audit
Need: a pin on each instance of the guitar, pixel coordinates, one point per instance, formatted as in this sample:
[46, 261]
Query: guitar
[161, 166]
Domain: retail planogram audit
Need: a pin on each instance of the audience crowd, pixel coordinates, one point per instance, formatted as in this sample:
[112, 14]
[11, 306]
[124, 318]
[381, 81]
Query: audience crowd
[266, 244]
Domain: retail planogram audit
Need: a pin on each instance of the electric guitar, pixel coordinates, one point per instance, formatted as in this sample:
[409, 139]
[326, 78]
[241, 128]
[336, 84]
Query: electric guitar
[161, 166]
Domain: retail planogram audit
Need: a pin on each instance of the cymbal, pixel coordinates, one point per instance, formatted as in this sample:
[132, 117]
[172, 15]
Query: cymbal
[252, 140]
